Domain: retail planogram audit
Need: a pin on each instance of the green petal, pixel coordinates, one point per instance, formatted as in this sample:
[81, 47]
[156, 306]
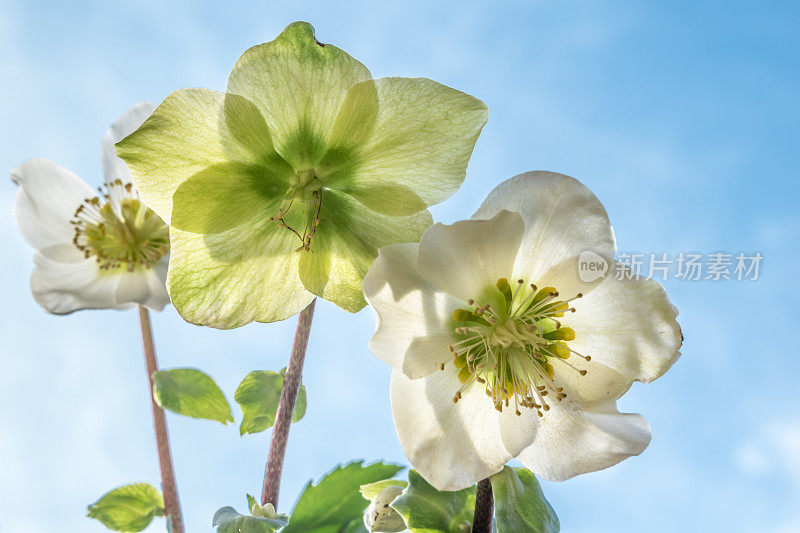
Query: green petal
[224, 196]
[345, 245]
[298, 84]
[232, 278]
[417, 149]
[203, 136]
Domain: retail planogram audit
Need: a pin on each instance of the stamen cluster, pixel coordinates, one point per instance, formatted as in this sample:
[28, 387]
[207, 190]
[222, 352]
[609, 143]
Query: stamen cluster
[513, 351]
[119, 230]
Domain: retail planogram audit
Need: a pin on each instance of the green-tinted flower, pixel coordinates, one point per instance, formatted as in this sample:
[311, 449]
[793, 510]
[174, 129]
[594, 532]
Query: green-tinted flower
[285, 186]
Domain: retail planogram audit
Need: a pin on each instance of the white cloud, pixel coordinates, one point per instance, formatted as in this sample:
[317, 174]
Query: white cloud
[772, 450]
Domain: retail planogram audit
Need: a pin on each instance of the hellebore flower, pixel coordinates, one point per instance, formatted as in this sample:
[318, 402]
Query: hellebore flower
[93, 252]
[285, 186]
[500, 351]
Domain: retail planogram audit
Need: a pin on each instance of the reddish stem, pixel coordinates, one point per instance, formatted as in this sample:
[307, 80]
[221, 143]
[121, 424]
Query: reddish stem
[172, 504]
[283, 418]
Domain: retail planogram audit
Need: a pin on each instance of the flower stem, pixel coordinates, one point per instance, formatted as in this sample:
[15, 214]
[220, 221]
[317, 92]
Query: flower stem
[283, 418]
[171, 502]
[484, 508]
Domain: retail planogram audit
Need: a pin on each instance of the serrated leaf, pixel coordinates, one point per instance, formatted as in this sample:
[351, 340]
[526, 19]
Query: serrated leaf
[227, 520]
[427, 510]
[520, 504]
[335, 503]
[258, 396]
[191, 392]
[370, 490]
[128, 508]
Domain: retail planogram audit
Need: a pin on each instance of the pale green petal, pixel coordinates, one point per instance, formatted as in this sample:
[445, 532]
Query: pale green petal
[224, 196]
[232, 278]
[414, 153]
[298, 84]
[345, 245]
[200, 132]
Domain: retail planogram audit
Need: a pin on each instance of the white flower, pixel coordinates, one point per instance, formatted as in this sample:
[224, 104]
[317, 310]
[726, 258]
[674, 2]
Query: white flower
[487, 369]
[93, 252]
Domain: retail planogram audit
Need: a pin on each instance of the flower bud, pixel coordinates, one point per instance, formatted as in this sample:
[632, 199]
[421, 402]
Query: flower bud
[264, 511]
[380, 516]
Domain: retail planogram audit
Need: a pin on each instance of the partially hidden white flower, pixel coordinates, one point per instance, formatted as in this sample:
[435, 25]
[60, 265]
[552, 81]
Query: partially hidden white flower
[500, 351]
[93, 251]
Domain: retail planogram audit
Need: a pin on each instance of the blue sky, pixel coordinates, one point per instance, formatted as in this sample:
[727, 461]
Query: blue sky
[680, 116]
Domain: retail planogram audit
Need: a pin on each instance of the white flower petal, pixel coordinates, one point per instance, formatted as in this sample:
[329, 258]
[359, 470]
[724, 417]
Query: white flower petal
[599, 385]
[144, 287]
[62, 288]
[629, 325]
[113, 166]
[562, 219]
[467, 258]
[127, 123]
[570, 441]
[452, 445]
[414, 324]
[46, 201]
[65, 252]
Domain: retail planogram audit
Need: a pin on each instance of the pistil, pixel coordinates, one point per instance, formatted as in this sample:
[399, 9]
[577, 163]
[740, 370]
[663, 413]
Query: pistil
[306, 189]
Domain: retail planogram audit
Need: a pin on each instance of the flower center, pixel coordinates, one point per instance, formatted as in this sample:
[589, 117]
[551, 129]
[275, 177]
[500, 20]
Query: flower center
[304, 189]
[119, 230]
[514, 351]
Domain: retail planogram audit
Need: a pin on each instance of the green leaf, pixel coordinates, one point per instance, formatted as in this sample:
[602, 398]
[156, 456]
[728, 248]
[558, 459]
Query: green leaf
[427, 510]
[520, 504]
[190, 392]
[355, 526]
[128, 508]
[227, 520]
[258, 396]
[370, 490]
[335, 504]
